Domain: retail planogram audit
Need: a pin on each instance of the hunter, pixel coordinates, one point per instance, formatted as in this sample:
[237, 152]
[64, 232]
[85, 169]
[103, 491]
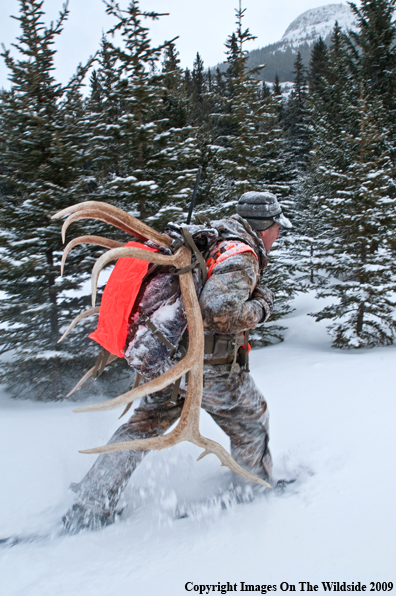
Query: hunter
[232, 302]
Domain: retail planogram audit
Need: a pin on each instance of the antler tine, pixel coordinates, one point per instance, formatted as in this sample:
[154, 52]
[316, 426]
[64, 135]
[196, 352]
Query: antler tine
[81, 381]
[97, 240]
[138, 228]
[96, 214]
[88, 375]
[177, 260]
[80, 317]
[226, 460]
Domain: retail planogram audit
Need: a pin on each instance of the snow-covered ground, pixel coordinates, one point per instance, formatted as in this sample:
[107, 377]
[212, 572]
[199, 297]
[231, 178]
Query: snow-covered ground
[332, 427]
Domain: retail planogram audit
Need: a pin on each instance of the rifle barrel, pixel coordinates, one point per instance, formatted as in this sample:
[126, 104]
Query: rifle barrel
[194, 195]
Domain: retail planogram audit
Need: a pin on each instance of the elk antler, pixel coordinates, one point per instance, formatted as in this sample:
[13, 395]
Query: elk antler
[187, 428]
[134, 226]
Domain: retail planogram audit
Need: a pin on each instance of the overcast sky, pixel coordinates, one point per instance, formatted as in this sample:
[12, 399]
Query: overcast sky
[202, 25]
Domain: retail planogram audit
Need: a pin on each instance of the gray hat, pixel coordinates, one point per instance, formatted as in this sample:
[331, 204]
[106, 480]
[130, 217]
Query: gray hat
[261, 210]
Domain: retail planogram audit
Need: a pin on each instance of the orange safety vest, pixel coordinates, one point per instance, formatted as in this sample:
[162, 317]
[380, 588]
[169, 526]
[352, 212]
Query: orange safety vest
[224, 250]
[117, 301]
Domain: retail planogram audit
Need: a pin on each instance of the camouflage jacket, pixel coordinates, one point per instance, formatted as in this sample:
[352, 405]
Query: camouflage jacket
[232, 299]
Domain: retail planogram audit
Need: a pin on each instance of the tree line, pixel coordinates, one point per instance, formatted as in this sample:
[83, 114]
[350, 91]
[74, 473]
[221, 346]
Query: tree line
[137, 139]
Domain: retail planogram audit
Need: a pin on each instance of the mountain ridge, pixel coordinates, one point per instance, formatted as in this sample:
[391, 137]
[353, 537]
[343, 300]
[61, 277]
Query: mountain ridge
[299, 36]
[315, 22]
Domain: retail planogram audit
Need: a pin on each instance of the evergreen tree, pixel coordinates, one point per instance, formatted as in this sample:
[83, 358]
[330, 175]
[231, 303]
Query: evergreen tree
[43, 172]
[101, 120]
[373, 50]
[265, 90]
[152, 165]
[175, 99]
[220, 85]
[187, 82]
[318, 68]
[198, 78]
[277, 89]
[334, 93]
[296, 119]
[356, 203]
[249, 138]
[201, 99]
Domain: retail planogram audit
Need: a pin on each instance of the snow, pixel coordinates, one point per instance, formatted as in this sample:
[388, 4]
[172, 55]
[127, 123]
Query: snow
[332, 428]
[319, 22]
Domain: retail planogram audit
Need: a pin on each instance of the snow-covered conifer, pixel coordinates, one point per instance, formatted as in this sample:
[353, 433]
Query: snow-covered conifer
[356, 207]
[373, 50]
[249, 141]
[296, 120]
[153, 167]
[43, 156]
[318, 67]
[276, 88]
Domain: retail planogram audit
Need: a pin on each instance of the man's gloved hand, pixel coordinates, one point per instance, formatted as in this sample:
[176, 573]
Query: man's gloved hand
[266, 298]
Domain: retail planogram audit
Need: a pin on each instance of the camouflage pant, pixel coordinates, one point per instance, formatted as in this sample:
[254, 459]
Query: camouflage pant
[234, 403]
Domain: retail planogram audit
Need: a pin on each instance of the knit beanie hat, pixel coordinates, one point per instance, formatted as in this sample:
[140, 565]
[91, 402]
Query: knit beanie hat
[261, 210]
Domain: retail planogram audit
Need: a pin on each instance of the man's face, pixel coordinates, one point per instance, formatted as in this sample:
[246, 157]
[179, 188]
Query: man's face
[269, 236]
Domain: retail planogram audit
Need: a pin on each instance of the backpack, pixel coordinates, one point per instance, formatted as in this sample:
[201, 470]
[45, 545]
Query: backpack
[141, 315]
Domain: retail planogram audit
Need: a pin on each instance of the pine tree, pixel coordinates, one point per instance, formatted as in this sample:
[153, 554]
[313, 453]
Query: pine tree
[265, 90]
[357, 202]
[43, 172]
[152, 167]
[374, 51]
[201, 98]
[296, 120]
[198, 77]
[249, 156]
[175, 99]
[318, 68]
[220, 85]
[334, 93]
[249, 138]
[277, 89]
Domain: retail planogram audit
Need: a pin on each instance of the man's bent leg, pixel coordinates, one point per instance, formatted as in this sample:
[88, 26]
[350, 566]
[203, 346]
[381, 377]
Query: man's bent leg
[241, 411]
[100, 490]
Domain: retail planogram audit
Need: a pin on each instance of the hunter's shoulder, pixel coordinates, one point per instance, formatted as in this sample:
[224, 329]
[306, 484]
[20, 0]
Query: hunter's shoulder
[238, 229]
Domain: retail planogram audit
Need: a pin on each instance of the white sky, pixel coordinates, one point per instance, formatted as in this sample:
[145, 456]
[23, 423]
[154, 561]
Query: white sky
[202, 25]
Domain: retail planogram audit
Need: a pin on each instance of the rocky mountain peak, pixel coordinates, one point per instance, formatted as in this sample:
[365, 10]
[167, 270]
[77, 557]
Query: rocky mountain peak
[318, 22]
